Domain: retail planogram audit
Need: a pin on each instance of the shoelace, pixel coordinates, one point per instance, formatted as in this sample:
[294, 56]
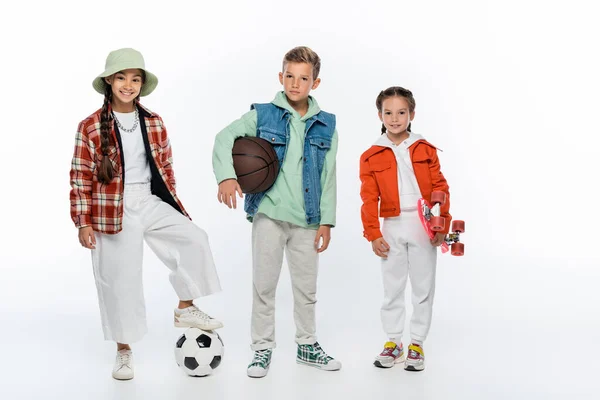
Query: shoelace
[199, 313]
[261, 358]
[321, 353]
[124, 359]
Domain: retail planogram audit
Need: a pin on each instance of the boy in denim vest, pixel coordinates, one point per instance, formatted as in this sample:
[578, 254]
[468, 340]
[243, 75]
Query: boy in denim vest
[296, 214]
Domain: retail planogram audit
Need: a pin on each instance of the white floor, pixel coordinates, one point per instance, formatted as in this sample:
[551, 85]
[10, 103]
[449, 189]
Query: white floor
[493, 337]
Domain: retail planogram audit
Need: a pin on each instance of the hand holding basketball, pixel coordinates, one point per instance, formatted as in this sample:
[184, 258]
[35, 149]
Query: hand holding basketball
[226, 193]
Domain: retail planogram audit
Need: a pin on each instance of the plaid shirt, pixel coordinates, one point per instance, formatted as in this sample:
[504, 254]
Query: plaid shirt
[101, 205]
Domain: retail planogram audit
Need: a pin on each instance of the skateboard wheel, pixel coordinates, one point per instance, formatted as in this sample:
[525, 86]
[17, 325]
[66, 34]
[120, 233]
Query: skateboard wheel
[458, 226]
[438, 197]
[457, 249]
[437, 224]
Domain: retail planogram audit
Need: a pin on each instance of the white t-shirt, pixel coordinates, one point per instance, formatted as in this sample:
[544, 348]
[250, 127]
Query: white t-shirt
[137, 169]
[407, 181]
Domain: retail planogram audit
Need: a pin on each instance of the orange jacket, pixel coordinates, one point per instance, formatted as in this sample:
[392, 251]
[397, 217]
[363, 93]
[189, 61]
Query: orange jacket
[379, 188]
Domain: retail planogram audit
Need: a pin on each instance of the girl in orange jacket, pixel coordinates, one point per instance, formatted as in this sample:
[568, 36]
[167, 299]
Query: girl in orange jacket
[395, 172]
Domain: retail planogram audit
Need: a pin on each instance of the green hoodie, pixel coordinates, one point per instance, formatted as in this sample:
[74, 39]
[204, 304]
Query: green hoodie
[285, 200]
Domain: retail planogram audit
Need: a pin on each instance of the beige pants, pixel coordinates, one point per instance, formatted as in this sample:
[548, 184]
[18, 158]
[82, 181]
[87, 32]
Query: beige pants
[269, 240]
[177, 242]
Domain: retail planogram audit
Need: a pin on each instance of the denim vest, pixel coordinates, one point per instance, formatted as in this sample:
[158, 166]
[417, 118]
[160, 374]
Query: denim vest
[273, 126]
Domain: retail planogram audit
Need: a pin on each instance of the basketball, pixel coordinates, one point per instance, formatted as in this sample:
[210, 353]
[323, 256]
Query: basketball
[255, 163]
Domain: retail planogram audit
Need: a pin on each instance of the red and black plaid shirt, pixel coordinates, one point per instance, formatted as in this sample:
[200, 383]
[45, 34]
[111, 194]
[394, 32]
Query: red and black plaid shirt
[101, 205]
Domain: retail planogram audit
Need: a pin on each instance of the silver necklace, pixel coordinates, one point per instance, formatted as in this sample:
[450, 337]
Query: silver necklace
[136, 120]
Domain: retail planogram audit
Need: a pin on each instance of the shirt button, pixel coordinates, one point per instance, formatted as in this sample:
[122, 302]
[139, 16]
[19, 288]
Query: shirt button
[306, 190]
[305, 159]
[272, 139]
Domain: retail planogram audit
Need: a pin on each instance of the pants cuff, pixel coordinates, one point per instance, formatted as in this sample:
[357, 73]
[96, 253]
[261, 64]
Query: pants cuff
[126, 339]
[311, 340]
[263, 346]
[417, 340]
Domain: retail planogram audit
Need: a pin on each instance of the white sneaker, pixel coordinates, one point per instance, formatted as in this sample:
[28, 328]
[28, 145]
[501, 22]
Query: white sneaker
[123, 369]
[192, 317]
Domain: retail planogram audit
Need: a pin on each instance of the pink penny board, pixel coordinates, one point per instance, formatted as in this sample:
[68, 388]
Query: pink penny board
[424, 209]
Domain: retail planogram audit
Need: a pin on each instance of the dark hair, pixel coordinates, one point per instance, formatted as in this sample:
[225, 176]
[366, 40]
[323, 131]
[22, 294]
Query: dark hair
[303, 54]
[395, 91]
[105, 169]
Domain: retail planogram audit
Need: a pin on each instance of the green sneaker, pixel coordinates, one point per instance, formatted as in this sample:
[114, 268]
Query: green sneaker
[314, 356]
[259, 366]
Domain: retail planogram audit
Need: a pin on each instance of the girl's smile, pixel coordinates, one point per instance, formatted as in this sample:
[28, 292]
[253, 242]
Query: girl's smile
[126, 86]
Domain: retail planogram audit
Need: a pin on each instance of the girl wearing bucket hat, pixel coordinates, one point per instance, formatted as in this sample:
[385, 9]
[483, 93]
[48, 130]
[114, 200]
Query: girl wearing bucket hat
[123, 193]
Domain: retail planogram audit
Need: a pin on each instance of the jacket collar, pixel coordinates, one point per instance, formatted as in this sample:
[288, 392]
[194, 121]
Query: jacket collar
[375, 149]
[319, 117]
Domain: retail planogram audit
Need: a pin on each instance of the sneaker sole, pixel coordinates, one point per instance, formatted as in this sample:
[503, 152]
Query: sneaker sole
[322, 367]
[179, 324]
[380, 364]
[412, 368]
[123, 378]
[257, 376]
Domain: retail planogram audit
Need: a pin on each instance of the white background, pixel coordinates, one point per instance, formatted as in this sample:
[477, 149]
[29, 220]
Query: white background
[508, 89]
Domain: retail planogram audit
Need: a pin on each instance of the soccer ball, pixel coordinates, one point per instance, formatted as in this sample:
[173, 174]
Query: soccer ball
[199, 352]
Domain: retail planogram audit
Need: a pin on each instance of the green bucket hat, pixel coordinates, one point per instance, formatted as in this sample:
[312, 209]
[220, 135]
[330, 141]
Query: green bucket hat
[120, 60]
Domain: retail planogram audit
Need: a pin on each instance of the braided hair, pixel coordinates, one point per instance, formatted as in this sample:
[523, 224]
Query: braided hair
[105, 169]
[395, 91]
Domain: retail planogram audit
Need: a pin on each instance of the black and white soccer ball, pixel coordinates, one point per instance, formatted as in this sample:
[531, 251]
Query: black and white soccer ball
[199, 352]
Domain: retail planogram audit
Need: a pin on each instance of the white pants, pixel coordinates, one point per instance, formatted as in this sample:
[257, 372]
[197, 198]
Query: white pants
[117, 261]
[411, 254]
[269, 239]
